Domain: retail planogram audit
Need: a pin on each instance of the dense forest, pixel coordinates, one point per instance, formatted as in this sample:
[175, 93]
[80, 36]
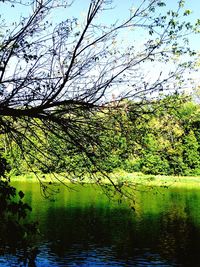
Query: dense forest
[156, 137]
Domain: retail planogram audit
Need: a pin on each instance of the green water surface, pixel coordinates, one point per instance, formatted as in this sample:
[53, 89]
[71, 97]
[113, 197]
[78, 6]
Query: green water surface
[82, 227]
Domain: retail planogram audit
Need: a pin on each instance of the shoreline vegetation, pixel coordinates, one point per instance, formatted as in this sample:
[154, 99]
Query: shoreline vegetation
[162, 142]
[136, 178]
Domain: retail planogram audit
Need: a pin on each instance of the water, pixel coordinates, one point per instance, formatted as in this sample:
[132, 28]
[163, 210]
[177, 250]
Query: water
[83, 228]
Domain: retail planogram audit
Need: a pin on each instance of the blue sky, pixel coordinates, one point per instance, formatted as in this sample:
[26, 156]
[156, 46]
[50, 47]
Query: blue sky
[119, 12]
[121, 9]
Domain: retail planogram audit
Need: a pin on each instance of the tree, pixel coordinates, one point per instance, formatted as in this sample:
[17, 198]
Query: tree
[56, 78]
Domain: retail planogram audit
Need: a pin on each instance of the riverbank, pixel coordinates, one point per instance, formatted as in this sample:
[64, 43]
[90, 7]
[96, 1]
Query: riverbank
[118, 176]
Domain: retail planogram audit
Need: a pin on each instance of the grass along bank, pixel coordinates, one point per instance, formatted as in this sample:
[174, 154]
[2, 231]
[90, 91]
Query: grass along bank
[119, 176]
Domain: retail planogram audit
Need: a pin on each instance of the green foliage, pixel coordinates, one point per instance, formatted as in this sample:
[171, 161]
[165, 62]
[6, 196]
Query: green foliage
[161, 137]
[156, 163]
[191, 154]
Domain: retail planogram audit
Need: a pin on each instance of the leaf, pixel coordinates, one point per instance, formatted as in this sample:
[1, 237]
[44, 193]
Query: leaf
[187, 12]
[161, 4]
[181, 3]
[133, 208]
[21, 194]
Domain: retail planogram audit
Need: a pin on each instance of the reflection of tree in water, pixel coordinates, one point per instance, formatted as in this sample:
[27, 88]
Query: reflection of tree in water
[179, 238]
[16, 233]
[87, 228]
[84, 224]
[19, 256]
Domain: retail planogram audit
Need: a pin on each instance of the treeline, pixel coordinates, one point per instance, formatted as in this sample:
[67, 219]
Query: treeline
[160, 137]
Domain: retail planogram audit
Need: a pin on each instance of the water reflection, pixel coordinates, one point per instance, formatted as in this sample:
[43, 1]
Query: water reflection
[85, 229]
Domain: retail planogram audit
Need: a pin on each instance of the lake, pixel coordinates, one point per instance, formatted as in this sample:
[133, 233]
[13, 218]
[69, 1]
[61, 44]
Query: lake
[83, 227]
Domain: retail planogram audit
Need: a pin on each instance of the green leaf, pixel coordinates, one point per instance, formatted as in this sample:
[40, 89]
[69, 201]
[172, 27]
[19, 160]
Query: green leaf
[187, 12]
